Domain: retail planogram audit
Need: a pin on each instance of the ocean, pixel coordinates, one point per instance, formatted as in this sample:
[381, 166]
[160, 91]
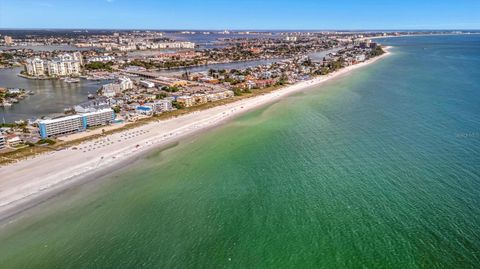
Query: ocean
[377, 169]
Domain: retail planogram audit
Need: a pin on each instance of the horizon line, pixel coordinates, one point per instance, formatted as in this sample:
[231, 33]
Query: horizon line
[238, 29]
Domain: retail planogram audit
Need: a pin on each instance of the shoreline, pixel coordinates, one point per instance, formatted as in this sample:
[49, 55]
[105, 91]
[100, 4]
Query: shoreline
[421, 35]
[28, 183]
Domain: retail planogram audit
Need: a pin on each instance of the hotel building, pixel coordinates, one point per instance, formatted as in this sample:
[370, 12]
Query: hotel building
[75, 123]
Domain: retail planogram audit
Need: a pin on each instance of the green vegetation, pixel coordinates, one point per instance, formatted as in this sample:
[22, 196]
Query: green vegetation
[176, 105]
[283, 80]
[6, 56]
[335, 65]
[22, 153]
[307, 62]
[116, 109]
[376, 52]
[144, 64]
[164, 64]
[161, 95]
[323, 71]
[237, 92]
[30, 144]
[170, 89]
[99, 66]
[46, 141]
[231, 81]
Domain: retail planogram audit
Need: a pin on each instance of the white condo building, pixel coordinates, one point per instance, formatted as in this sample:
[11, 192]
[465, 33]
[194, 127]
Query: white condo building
[162, 105]
[112, 89]
[8, 40]
[75, 123]
[61, 126]
[125, 83]
[176, 45]
[36, 67]
[63, 65]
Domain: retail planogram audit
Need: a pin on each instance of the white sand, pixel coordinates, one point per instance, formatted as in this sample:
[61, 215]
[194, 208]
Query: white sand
[30, 179]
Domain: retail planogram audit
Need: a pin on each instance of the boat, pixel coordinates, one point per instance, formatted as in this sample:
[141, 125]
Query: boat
[5, 104]
[90, 96]
[71, 80]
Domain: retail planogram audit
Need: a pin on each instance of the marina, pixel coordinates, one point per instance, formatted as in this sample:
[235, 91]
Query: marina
[48, 97]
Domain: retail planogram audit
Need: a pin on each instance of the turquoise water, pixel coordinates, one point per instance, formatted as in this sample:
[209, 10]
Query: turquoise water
[379, 169]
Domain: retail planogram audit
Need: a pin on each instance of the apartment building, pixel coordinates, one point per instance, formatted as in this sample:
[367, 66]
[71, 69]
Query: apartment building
[63, 65]
[112, 89]
[61, 126]
[75, 123]
[36, 67]
[162, 105]
[98, 118]
[8, 40]
[186, 101]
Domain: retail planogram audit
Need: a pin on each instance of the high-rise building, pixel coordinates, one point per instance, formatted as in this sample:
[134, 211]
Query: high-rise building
[75, 123]
[35, 67]
[291, 38]
[78, 57]
[112, 89]
[125, 83]
[8, 40]
[63, 65]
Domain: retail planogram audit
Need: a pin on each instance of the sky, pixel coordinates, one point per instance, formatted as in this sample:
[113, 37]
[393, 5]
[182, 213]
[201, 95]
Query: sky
[246, 14]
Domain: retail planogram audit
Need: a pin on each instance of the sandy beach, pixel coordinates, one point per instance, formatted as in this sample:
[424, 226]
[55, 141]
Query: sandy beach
[26, 183]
